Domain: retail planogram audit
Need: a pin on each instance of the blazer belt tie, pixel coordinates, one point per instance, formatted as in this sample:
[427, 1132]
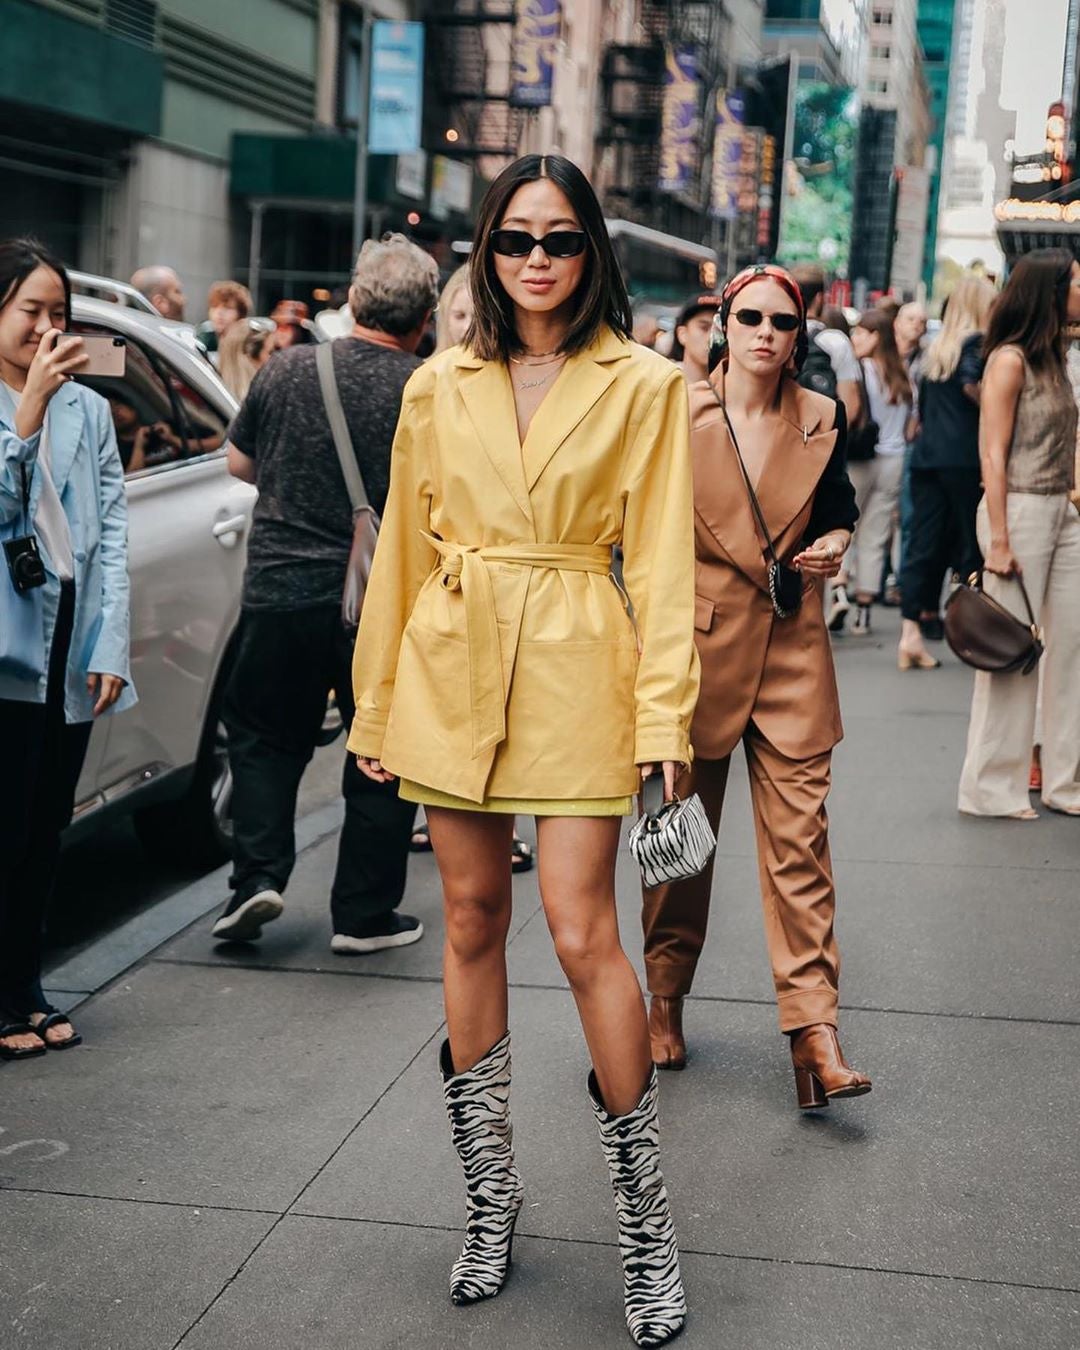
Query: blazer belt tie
[465, 568]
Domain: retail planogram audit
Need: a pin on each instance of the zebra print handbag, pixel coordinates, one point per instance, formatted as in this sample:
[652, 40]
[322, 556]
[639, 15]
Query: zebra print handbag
[672, 840]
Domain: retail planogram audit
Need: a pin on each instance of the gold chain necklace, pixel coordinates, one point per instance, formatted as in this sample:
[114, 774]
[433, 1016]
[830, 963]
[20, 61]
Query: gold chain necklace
[535, 384]
[554, 356]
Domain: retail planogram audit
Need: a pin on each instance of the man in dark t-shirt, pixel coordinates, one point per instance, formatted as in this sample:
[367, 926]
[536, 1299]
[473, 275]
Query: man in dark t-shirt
[292, 648]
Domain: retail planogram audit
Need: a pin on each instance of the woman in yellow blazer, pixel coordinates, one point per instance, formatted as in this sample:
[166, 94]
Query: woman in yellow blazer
[766, 681]
[498, 672]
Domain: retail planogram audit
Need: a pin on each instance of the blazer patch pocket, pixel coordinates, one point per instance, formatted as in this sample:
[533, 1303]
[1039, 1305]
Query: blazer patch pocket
[704, 610]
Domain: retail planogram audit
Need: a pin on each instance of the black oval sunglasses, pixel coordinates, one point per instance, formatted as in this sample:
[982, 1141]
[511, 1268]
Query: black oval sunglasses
[754, 318]
[520, 243]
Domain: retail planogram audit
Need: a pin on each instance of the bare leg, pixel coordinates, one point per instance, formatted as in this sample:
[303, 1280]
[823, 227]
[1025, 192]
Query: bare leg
[473, 852]
[577, 885]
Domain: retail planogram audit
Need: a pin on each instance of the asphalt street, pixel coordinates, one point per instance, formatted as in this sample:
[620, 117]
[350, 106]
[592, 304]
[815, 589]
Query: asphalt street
[250, 1151]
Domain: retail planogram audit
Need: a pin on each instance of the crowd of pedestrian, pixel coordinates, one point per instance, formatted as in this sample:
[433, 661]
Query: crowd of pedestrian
[597, 564]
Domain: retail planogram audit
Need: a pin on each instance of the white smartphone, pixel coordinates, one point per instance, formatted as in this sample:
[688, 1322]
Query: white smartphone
[108, 355]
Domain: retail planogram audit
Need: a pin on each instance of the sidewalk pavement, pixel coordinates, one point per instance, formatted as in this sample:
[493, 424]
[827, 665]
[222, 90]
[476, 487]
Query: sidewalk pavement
[250, 1149]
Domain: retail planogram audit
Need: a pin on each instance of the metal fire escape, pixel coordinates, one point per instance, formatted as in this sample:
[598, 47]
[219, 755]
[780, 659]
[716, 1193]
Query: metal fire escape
[467, 109]
[632, 78]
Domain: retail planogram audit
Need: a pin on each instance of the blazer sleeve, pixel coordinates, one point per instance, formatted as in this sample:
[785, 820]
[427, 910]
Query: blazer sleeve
[111, 652]
[15, 453]
[834, 501]
[403, 560]
[658, 568]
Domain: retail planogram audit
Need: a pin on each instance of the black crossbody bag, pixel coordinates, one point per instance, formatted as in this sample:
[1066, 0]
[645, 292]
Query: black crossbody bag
[785, 584]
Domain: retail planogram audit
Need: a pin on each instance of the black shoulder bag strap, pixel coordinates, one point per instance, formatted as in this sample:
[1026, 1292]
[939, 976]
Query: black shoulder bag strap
[785, 584]
[755, 505]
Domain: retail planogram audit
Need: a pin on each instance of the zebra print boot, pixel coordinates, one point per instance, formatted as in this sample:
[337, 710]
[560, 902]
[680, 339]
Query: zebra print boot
[478, 1105]
[652, 1286]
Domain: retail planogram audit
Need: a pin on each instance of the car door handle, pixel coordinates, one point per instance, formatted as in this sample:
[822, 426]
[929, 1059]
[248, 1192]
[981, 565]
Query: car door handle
[231, 526]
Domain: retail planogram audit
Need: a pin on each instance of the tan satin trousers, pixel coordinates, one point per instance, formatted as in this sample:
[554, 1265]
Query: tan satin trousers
[797, 890]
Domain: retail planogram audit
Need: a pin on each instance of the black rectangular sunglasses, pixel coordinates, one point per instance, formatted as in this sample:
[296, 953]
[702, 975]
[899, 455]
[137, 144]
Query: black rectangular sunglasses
[753, 318]
[520, 243]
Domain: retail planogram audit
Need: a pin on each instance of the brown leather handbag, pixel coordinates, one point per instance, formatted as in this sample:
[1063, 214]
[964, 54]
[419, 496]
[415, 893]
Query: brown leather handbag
[365, 518]
[985, 635]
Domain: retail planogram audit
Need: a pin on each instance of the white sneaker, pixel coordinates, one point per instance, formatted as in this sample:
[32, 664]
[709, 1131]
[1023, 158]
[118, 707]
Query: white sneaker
[396, 930]
[243, 919]
[838, 608]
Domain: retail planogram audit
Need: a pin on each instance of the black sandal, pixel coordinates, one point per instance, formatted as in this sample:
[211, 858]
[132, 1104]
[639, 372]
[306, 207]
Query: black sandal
[20, 1029]
[54, 1018]
[521, 856]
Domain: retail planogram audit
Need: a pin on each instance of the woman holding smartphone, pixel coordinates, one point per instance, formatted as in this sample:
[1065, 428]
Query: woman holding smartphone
[64, 644]
[498, 672]
[768, 455]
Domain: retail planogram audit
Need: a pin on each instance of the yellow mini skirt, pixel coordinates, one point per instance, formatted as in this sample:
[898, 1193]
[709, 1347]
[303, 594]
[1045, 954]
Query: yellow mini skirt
[517, 806]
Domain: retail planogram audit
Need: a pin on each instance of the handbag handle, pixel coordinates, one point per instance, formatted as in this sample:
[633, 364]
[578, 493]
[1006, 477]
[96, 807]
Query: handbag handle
[652, 793]
[339, 428]
[754, 503]
[975, 581]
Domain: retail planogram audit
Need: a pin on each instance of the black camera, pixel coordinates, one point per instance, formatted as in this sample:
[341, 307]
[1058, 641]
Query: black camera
[24, 563]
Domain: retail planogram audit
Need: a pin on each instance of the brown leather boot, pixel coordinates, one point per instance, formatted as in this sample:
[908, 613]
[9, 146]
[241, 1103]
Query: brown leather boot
[821, 1072]
[666, 1033]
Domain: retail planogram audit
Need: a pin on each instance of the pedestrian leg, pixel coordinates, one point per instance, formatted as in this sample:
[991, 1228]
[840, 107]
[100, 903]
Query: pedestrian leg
[997, 765]
[1061, 703]
[797, 889]
[274, 707]
[373, 852]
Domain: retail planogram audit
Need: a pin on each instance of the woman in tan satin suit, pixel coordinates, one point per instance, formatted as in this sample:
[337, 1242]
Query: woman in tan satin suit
[765, 680]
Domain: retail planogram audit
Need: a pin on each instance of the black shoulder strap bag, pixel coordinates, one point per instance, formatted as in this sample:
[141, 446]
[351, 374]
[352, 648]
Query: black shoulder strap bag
[785, 584]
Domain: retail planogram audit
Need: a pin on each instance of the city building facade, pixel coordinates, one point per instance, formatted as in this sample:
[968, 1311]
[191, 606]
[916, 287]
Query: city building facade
[892, 177]
[935, 28]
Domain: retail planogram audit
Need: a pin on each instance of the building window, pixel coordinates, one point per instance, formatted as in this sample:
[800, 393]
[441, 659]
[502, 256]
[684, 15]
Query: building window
[879, 52]
[350, 63]
[877, 86]
[882, 17]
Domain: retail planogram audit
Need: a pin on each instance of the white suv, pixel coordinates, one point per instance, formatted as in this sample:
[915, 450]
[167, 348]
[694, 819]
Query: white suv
[165, 759]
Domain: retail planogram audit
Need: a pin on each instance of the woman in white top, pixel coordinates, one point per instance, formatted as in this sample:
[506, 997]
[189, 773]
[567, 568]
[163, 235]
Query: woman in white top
[878, 480]
[63, 614]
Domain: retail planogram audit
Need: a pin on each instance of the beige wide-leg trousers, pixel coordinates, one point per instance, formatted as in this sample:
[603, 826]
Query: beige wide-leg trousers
[877, 485]
[1044, 534]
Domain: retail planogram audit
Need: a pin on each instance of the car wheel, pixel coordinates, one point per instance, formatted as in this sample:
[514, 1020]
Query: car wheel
[196, 831]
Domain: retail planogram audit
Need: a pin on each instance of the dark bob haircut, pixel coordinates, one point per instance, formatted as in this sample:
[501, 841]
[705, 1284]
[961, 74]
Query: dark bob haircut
[1032, 311]
[600, 298]
[20, 257]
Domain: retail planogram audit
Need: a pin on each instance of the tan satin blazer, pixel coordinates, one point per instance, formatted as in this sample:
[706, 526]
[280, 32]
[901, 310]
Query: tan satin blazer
[756, 667]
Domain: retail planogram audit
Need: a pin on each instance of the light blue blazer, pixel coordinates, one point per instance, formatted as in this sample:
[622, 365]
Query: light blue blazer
[89, 480]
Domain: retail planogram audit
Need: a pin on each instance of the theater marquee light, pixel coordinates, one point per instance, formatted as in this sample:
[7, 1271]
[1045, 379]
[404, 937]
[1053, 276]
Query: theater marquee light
[1054, 213]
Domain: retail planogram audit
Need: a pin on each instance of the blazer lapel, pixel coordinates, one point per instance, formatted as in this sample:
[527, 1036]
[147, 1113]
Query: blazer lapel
[584, 378]
[489, 401]
[720, 499]
[794, 463]
[64, 423]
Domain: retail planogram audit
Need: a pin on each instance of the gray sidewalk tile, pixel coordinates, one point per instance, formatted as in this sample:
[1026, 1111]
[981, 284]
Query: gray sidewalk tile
[109, 1275]
[213, 1086]
[339, 1286]
[952, 1165]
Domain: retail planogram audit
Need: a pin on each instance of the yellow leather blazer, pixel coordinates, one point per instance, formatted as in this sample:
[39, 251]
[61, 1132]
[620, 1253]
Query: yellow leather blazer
[496, 656]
